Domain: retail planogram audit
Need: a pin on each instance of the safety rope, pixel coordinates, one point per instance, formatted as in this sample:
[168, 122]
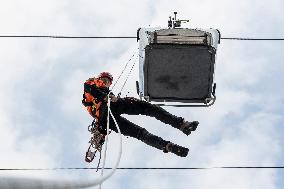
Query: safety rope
[106, 138]
[98, 139]
[98, 165]
[35, 183]
[109, 111]
[123, 70]
[128, 75]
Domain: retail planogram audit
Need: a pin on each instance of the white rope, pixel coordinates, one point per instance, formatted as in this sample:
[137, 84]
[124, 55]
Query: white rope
[106, 138]
[31, 183]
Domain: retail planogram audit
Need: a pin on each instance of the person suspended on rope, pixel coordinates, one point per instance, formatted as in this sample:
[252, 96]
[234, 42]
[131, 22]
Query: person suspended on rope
[95, 96]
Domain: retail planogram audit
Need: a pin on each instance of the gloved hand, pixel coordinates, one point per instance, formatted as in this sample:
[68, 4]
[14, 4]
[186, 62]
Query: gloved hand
[113, 98]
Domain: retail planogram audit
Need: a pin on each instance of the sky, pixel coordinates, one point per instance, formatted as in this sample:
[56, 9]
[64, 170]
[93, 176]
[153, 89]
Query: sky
[44, 125]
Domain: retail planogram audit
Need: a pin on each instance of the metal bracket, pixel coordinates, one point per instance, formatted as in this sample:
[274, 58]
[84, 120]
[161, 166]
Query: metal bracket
[138, 38]
[147, 98]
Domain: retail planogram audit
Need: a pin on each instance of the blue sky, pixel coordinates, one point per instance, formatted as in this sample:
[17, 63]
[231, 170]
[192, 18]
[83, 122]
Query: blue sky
[43, 124]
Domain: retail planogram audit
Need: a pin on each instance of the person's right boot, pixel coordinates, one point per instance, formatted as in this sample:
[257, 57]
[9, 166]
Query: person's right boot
[176, 149]
[161, 144]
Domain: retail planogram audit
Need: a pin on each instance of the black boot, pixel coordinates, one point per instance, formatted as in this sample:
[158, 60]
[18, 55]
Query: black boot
[187, 127]
[176, 149]
[161, 144]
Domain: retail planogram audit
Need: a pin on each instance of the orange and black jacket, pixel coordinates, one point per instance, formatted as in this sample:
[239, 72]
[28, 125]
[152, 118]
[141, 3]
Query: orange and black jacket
[95, 97]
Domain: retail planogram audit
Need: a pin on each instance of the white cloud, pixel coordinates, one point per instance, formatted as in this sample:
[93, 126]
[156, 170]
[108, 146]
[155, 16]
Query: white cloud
[19, 152]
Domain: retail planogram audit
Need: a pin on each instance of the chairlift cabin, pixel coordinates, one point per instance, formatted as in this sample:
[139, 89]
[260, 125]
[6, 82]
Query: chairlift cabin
[176, 65]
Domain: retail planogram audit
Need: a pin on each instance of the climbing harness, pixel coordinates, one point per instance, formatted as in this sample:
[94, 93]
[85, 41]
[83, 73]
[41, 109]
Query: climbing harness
[96, 142]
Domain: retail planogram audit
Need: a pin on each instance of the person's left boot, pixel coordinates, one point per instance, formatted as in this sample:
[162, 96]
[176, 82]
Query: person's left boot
[186, 126]
[176, 149]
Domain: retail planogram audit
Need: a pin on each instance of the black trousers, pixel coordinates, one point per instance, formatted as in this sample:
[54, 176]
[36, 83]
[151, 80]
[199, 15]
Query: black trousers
[133, 106]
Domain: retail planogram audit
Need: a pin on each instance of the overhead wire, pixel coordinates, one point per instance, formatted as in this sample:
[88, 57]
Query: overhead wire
[252, 39]
[66, 37]
[127, 37]
[141, 168]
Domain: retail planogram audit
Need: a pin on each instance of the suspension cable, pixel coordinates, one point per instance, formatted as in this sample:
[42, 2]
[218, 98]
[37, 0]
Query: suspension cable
[129, 73]
[141, 168]
[123, 70]
[66, 37]
[125, 37]
[252, 39]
